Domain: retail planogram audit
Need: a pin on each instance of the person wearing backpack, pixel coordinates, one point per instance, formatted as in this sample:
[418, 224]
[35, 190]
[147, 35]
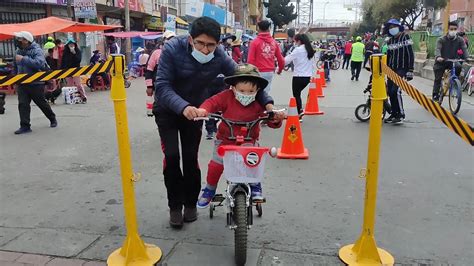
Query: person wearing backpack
[30, 59]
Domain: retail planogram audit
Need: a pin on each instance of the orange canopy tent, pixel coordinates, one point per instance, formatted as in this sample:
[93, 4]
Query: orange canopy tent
[50, 25]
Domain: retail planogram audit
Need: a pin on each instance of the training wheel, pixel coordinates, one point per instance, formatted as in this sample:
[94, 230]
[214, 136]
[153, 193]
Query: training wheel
[211, 210]
[259, 209]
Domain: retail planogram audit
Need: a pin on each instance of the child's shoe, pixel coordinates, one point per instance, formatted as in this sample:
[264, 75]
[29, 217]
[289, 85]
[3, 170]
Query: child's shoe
[256, 189]
[206, 198]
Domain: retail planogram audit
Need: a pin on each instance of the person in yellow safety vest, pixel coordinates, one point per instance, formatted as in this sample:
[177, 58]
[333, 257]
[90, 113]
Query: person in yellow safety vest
[49, 44]
[357, 57]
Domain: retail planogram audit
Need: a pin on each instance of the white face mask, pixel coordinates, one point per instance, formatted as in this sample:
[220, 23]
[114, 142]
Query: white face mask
[202, 58]
[394, 31]
[452, 33]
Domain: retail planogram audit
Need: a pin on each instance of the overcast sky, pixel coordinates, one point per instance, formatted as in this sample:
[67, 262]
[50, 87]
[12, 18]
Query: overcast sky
[334, 10]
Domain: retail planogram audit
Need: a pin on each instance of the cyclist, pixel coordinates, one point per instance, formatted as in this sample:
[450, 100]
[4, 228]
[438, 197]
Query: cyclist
[401, 59]
[450, 46]
[238, 104]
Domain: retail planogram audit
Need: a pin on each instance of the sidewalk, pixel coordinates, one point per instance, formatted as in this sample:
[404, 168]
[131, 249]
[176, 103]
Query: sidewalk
[24, 259]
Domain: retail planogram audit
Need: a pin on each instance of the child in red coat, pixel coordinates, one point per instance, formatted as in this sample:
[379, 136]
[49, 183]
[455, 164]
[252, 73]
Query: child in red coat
[237, 104]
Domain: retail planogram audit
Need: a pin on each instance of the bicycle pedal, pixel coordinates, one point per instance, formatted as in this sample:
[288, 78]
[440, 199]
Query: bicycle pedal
[218, 198]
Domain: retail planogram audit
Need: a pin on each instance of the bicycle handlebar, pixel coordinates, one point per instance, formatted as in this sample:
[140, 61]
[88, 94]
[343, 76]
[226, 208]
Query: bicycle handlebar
[454, 60]
[249, 125]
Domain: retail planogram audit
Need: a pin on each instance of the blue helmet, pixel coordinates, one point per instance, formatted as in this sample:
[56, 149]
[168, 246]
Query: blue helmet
[392, 21]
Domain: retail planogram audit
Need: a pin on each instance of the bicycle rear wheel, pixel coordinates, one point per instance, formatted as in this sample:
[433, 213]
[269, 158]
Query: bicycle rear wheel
[335, 65]
[455, 96]
[470, 89]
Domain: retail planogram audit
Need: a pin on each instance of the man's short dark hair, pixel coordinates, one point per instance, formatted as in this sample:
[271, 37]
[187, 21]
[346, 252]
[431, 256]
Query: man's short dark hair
[205, 25]
[453, 23]
[264, 25]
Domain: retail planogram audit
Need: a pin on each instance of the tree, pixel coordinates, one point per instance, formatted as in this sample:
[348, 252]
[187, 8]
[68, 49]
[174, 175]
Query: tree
[281, 12]
[407, 11]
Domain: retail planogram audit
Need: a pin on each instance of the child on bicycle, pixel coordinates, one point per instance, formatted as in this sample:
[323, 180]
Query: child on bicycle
[237, 104]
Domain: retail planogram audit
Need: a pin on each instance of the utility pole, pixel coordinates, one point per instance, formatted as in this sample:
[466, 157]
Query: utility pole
[447, 12]
[128, 43]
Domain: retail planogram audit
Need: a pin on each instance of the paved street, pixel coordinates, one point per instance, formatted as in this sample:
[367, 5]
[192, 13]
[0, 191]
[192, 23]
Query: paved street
[61, 188]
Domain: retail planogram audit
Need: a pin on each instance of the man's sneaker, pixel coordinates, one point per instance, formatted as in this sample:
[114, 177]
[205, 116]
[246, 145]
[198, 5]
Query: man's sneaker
[256, 190]
[352, 78]
[210, 135]
[389, 120]
[206, 198]
[54, 123]
[397, 121]
[23, 130]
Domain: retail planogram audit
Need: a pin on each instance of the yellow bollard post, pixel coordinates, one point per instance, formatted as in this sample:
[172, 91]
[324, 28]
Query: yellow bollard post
[365, 251]
[133, 251]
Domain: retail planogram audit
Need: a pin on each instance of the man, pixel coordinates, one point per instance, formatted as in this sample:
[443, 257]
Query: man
[49, 44]
[188, 66]
[401, 59]
[357, 57]
[30, 59]
[263, 51]
[450, 46]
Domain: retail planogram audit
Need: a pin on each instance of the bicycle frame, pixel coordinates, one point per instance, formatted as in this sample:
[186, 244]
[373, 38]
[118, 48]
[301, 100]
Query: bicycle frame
[452, 77]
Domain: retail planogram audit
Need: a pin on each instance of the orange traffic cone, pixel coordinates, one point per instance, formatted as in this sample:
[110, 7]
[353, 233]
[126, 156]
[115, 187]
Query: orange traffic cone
[312, 106]
[292, 146]
[317, 83]
[322, 76]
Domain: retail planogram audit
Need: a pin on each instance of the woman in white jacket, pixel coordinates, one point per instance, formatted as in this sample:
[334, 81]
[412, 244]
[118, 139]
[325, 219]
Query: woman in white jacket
[302, 58]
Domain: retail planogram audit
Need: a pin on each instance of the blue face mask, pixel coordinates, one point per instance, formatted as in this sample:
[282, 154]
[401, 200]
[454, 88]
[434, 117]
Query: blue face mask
[394, 31]
[202, 58]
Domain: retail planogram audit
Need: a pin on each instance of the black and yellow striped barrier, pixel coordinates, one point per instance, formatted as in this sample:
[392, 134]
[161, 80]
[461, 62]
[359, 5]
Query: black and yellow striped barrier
[456, 124]
[56, 74]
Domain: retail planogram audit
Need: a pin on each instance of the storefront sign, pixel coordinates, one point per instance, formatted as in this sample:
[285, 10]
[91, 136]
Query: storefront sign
[135, 5]
[170, 23]
[153, 23]
[85, 9]
[214, 12]
[194, 9]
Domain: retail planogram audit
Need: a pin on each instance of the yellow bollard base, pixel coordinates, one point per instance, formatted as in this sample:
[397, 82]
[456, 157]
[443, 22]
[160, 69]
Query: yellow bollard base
[350, 258]
[154, 255]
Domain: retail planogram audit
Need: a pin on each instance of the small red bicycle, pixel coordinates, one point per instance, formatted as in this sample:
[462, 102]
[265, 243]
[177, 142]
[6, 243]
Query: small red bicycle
[244, 164]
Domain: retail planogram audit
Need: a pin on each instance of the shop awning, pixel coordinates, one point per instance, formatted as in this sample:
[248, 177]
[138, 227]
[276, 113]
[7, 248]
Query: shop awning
[130, 34]
[181, 21]
[50, 25]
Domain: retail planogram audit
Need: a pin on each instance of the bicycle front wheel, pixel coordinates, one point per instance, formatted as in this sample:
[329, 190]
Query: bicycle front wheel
[320, 64]
[335, 65]
[455, 96]
[240, 232]
[362, 112]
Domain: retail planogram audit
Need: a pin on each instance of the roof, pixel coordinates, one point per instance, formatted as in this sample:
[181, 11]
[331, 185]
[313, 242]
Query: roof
[181, 21]
[50, 25]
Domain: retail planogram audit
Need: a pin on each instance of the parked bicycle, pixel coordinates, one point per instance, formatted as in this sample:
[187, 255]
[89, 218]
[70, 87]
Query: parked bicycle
[468, 83]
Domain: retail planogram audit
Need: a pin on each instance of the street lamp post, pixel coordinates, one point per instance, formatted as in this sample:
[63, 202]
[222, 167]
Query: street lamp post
[324, 11]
